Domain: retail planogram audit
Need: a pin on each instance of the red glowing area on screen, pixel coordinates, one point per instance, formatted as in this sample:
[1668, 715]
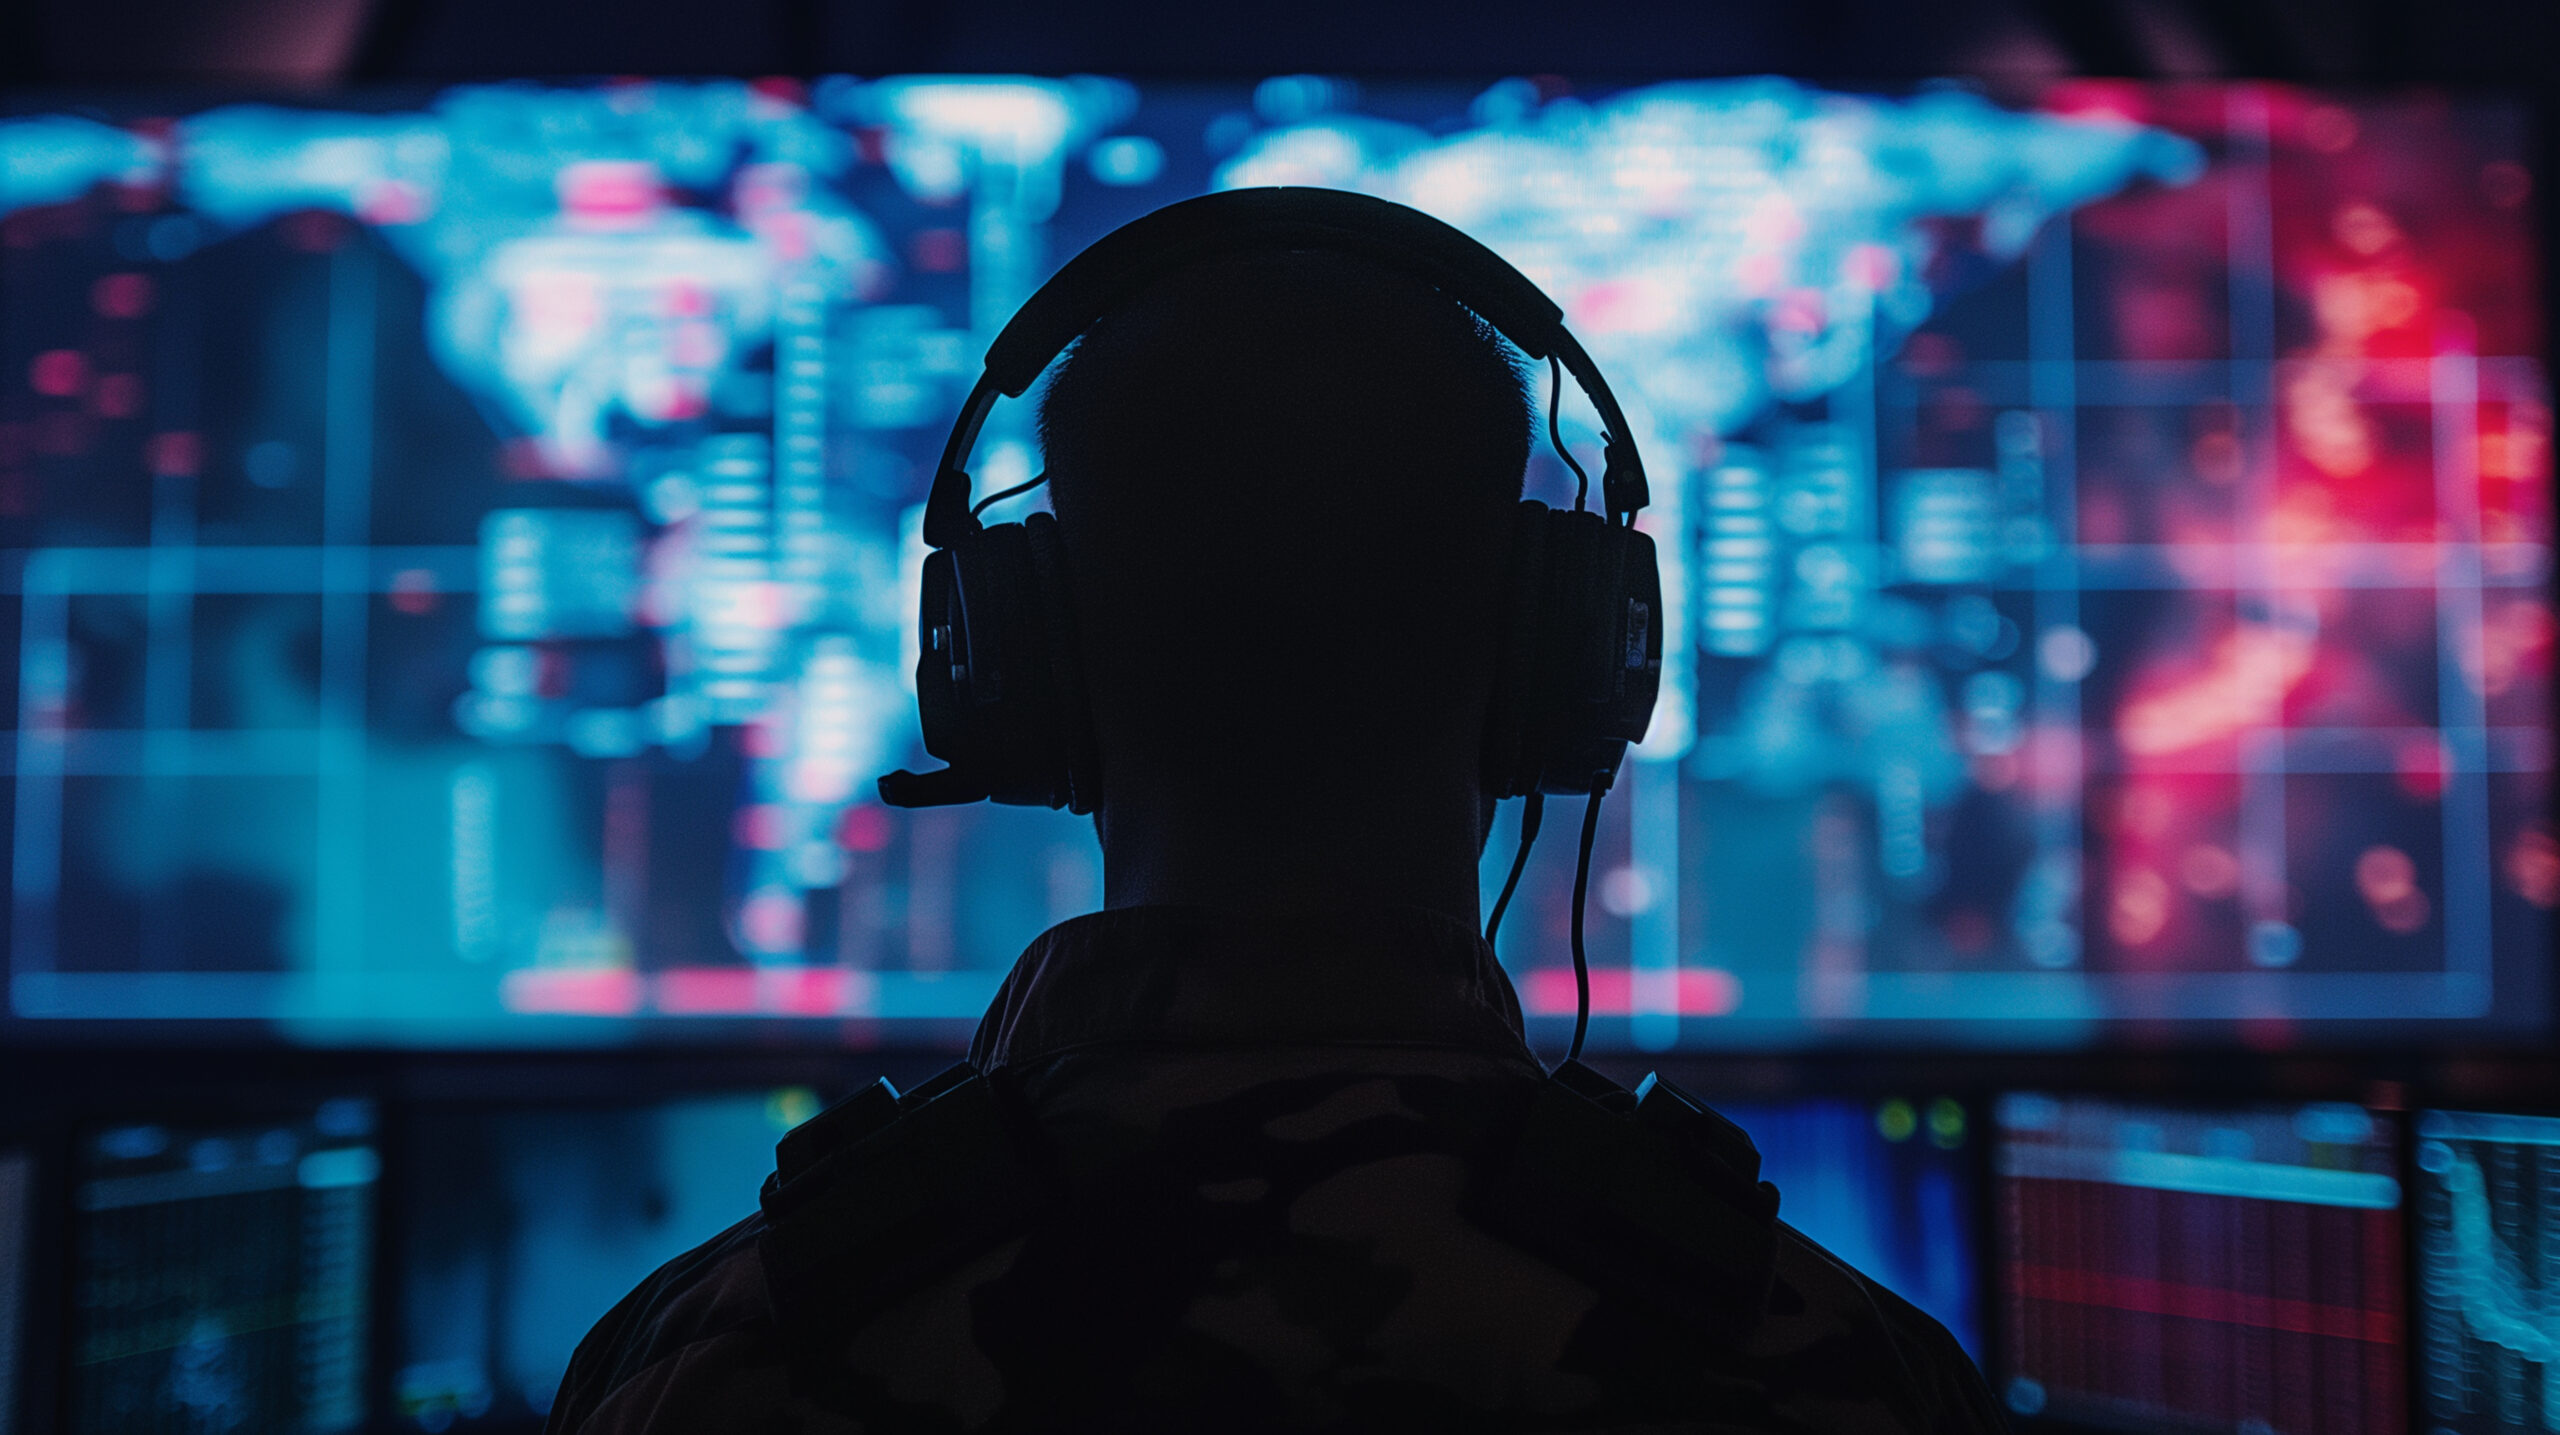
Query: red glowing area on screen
[599, 991]
[1694, 991]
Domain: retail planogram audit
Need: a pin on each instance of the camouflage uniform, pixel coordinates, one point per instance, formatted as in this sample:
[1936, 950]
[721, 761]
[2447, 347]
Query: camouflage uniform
[1267, 1145]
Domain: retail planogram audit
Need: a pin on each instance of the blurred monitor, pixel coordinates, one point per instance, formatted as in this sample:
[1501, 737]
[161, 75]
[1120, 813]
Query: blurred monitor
[17, 1195]
[524, 1226]
[221, 1274]
[2199, 1269]
[1886, 1186]
[2488, 1211]
[460, 547]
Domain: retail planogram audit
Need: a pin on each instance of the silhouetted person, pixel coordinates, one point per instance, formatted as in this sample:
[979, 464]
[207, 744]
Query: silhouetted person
[1256, 1103]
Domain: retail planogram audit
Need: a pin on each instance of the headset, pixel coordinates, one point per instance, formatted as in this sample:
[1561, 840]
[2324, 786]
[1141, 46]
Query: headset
[998, 683]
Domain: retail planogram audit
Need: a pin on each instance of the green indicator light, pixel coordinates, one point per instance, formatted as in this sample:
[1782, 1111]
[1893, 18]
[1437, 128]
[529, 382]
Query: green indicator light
[790, 1106]
[1946, 1122]
[1895, 1120]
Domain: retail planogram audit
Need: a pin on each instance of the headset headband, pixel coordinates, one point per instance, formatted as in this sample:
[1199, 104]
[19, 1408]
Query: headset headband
[1120, 264]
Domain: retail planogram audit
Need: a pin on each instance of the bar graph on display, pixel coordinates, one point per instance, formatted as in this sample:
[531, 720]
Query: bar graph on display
[2197, 1269]
[2488, 1216]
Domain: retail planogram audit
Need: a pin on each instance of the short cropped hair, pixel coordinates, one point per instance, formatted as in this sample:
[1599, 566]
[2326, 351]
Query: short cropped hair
[1285, 482]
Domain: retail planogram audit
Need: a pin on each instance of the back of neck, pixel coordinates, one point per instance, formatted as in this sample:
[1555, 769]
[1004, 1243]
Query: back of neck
[1283, 854]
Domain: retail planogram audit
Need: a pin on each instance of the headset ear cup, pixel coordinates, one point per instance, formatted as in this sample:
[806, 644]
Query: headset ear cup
[1078, 755]
[1509, 768]
[1003, 670]
[939, 709]
[1635, 633]
[1570, 670]
[1592, 672]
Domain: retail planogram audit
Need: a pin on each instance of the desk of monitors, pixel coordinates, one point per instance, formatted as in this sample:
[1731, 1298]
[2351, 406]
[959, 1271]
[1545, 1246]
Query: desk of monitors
[457, 549]
[2113, 1263]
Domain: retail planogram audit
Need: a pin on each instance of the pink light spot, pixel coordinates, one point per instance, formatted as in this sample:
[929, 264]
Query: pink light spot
[788, 232]
[685, 401]
[1757, 274]
[1800, 311]
[763, 739]
[122, 296]
[118, 396]
[806, 991]
[413, 591]
[938, 251]
[772, 921]
[602, 991]
[759, 825]
[828, 991]
[776, 991]
[176, 454]
[1623, 306]
[864, 829]
[819, 780]
[1871, 267]
[610, 193]
[520, 458]
[2121, 100]
[394, 201]
[2421, 765]
[1702, 991]
[551, 673]
[706, 991]
[59, 373]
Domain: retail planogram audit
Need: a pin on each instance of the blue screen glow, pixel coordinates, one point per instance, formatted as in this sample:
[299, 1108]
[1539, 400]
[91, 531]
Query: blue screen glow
[1886, 1186]
[524, 1226]
[457, 557]
[2488, 1213]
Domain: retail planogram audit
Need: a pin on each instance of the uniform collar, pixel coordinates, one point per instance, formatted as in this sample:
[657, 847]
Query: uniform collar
[1196, 976]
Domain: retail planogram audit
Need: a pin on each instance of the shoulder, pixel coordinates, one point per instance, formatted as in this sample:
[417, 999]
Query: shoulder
[1841, 1353]
[692, 1348]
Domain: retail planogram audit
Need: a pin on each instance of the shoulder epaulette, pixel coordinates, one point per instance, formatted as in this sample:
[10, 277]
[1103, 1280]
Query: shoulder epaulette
[1649, 1194]
[876, 1196]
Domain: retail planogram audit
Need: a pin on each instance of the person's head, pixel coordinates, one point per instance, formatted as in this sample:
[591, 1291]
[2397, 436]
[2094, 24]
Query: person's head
[1285, 483]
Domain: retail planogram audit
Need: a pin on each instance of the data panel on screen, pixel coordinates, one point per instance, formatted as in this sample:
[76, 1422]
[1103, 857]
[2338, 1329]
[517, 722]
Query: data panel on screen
[461, 545]
[2487, 1206]
[221, 1274]
[1886, 1186]
[523, 1227]
[2199, 1269]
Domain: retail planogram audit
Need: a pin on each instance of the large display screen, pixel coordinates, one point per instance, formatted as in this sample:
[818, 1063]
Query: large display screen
[525, 1226]
[2488, 1211]
[2193, 1269]
[461, 546]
